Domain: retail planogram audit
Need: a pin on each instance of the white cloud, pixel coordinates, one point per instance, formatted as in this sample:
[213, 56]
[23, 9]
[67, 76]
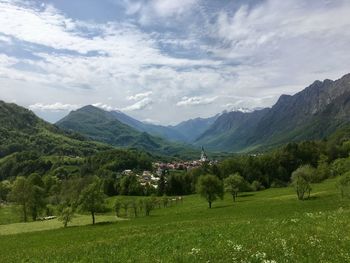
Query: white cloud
[104, 106]
[5, 39]
[140, 95]
[151, 121]
[58, 106]
[171, 7]
[186, 101]
[255, 54]
[140, 105]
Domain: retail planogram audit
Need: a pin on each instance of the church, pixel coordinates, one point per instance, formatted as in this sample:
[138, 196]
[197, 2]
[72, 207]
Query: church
[204, 157]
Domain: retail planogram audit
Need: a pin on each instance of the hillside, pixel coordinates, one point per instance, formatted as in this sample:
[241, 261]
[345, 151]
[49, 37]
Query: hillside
[103, 126]
[231, 130]
[21, 130]
[166, 132]
[193, 128]
[266, 226]
[311, 114]
[186, 131]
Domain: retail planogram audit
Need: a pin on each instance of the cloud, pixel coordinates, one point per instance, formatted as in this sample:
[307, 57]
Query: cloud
[149, 11]
[140, 95]
[151, 121]
[140, 105]
[58, 106]
[186, 101]
[104, 106]
[168, 53]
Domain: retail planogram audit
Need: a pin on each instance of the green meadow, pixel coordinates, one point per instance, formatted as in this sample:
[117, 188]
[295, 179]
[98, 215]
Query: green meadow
[267, 226]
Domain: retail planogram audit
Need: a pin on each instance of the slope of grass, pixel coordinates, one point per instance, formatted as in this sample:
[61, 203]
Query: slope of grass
[78, 220]
[268, 226]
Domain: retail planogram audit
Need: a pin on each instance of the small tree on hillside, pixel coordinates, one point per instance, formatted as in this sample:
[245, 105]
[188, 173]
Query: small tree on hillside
[234, 184]
[92, 198]
[343, 185]
[210, 187]
[66, 215]
[126, 205]
[37, 198]
[301, 179]
[117, 207]
[21, 193]
[148, 205]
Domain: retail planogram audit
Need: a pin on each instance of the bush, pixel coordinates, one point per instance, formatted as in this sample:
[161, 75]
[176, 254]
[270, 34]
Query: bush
[257, 186]
[301, 179]
[343, 185]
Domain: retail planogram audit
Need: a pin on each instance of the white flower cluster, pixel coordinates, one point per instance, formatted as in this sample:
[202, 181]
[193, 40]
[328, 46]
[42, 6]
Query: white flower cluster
[195, 251]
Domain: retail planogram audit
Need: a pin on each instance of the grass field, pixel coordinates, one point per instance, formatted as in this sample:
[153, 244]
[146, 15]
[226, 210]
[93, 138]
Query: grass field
[267, 226]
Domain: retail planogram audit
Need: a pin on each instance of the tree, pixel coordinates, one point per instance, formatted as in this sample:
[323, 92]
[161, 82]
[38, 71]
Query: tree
[66, 215]
[125, 206]
[301, 179]
[134, 206]
[323, 169]
[343, 185]
[148, 205]
[117, 207]
[92, 198]
[5, 189]
[21, 193]
[210, 187]
[234, 184]
[36, 202]
[161, 184]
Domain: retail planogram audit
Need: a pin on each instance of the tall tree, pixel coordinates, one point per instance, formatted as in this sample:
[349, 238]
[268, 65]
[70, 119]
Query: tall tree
[37, 198]
[21, 193]
[210, 187]
[234, 184]
[301, 179]
[92, 198]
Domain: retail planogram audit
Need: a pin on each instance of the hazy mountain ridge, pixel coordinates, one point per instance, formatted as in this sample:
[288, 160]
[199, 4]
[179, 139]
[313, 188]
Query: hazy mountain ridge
[312, 113]
[21, 130]
[166, 132]
[104, 126]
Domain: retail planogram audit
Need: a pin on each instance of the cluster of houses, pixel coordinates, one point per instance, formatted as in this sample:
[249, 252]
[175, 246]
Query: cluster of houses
[149, 178]
[183, 165]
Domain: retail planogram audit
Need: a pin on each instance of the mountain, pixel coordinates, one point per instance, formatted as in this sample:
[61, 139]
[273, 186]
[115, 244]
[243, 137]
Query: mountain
[103, 126]
[186, 131]
[192, 129]
[231, 130]
[166, 132]
[311, 114]
[21, 130]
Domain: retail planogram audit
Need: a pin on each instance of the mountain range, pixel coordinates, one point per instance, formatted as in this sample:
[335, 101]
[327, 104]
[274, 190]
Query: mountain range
[22, 130]
[311, 114]
[117, 129]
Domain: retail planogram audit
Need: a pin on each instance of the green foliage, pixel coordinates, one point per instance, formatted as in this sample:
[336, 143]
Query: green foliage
[234, 184]
[21, 194]
[37, 197]
[66, 215]
[5, 188]
[301, 179]
[266, 226]
[129, 185]
[102, 126]
[210, 187]
[92, 198]
[343, 185]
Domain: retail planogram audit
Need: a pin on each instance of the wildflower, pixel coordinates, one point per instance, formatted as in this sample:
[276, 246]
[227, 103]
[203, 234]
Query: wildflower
[259, 255]
[195, 251]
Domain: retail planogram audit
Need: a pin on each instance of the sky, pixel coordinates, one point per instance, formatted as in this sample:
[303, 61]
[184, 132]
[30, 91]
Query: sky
[165, 61]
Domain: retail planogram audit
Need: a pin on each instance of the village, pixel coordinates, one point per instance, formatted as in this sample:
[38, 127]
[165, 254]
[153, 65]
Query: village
[162, 168]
